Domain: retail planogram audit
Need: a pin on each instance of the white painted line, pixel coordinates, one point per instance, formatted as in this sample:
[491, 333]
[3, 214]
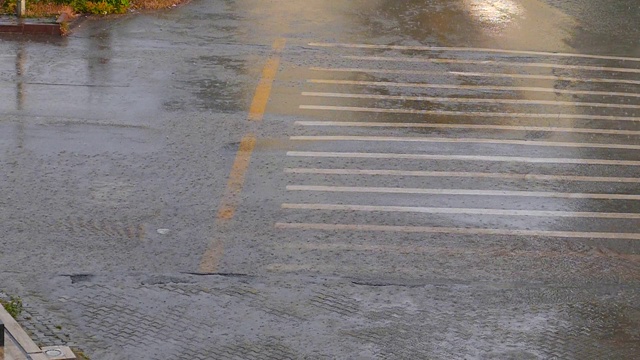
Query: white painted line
[465, 140]
[469, 126]
[459, 231]
[471, 49]
[493, 62]
[460, 192]
[407, 249]
[463, 211]
[478, 74]
[501, 176]
[469, 113]
[531, 160]
[337, 269]
[435, 250]
[473, 87]
[469, 100]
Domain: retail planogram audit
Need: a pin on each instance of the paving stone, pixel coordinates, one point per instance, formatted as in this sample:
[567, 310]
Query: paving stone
[228, 319]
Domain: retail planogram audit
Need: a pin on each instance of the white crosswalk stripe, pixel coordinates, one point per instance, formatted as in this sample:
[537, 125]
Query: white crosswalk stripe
[494, 63]
[468, 126]
[453, 174]
[469, 49]
[459, 231]
[474, 87]
[456, 211]
[378, 154]
[515, 159]
[523, 115]
[469, 100]
[465, 140]
[476, 74]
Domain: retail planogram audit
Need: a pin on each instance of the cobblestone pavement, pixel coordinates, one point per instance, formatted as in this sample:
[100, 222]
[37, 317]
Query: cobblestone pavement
[242, 317]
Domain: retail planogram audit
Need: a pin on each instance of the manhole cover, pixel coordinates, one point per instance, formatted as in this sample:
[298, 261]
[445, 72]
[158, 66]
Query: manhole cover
[53, 352]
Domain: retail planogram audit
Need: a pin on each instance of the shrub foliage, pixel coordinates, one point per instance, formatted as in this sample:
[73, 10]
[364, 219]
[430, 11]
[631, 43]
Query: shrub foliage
[101, 7]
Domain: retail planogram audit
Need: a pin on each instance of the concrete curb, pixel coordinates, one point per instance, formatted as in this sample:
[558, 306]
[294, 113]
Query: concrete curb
[24, 341]
[32, 28]
[61, 26]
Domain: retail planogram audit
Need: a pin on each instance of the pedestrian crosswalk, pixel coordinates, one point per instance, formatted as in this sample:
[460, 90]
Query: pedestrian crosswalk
[466, 141]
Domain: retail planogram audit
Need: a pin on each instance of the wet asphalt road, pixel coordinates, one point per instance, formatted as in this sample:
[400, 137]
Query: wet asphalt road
[462, 173]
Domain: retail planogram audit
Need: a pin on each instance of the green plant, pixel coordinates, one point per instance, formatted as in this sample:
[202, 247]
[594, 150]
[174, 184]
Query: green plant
[120, 5]
[8, 7]
[64, 28]
[101, 7]
[13, 306]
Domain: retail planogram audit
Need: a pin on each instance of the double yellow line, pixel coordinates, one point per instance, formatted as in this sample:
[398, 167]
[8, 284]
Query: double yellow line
[231, 198]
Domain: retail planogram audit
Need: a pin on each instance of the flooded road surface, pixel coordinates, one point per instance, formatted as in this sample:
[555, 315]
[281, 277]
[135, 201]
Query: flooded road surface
[310, 179]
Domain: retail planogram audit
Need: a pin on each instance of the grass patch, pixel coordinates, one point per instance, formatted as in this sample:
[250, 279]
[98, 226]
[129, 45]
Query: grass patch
[13, 306]
[50, 8]
[154, 4]
[38, 8]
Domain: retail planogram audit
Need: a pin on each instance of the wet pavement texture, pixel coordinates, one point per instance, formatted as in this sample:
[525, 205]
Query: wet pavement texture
[431, 179]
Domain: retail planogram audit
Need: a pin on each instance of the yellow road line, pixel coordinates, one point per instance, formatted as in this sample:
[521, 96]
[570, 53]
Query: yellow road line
[458, 231]
[263, 91]
[212, 256]
[465, 49]
[231, 198]
[236, 178]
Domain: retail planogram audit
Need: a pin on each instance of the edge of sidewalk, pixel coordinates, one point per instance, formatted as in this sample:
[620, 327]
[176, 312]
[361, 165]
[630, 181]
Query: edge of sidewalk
[61, 26]
[21, 337]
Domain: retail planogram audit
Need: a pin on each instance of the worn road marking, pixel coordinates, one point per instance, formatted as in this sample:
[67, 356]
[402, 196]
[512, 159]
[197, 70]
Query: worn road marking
[469, 100]
[471, 49]
[461, 192]
[505, 176]
[473, 87]
[230, 202]
[493, 62]
[463, 211]
[458, 231]
[236, 178]
[231, 198]
[469, 126]
[531, 160]
[469, 113]
[331, 269]
[435, 250]
[478, 74]
[263, 91]
[466, 140]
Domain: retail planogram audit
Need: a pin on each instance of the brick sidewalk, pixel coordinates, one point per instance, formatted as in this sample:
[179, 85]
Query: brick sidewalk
[215, 317]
